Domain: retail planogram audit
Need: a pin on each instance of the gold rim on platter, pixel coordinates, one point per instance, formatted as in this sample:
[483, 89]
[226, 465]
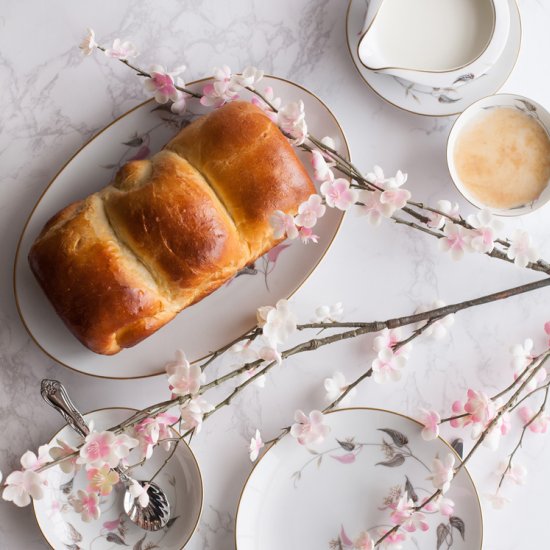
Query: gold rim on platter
[424, 114]
[346, 153]
[372, 409]
[129, 409]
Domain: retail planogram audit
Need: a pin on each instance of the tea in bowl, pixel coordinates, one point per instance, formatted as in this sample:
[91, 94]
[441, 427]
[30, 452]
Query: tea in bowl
[498, 154]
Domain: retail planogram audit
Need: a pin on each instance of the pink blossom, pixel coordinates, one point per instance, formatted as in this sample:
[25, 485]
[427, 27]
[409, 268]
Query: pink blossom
[487, 230]
[431, 421]
[329, 314]
[162, 85]
[393, 541]
[521, 249]
[443, 473]
[376, 177]
[283, 225]
[88, 43]
[21, 485]
[338, 194]
[522, 355]
[335, 387]
[515, 473]
[105, 448]
[498, 501]
[493, 437]
[275, 101]
[101, 480]
[67, 466]
[184, 378]
[404, 515]
[388, 338]
[547, 330]
[87, 505]
[307, 235]
[150, 430]
[140, 493]
[539, 425]
[30, 461]
[393, 197]
[321, 169]
[280, 322]
[371, 206]
[309, 211]
[443, 505]
[121, 50]
[458, 410]
[224, 88]
[364, 542]
[291, 120]
[480, 407]
[437, 221]
[457, 240]
[309, 430]
[249, 77]
[256, 444]
[387, 366]
[193, 411]
[440, 328]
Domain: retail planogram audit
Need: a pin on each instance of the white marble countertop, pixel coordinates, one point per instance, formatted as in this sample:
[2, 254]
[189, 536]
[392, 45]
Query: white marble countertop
[53, 102]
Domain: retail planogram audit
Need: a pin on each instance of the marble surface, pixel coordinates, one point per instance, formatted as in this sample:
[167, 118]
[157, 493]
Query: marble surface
[53, 101]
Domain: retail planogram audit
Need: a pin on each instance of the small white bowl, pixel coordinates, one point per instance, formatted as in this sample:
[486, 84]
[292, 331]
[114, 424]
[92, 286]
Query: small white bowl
[527, 106]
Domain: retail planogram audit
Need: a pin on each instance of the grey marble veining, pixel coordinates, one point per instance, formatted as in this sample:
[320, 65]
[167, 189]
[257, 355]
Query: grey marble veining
[53, 101]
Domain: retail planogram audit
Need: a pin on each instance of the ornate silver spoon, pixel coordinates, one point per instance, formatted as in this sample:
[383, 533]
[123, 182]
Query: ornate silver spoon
[152, 517]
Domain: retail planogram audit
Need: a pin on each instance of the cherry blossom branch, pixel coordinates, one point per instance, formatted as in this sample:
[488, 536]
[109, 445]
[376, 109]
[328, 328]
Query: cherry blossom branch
[523, 431]
[505, 408]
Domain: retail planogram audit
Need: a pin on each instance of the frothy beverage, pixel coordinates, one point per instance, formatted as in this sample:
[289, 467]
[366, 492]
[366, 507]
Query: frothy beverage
[503, 158]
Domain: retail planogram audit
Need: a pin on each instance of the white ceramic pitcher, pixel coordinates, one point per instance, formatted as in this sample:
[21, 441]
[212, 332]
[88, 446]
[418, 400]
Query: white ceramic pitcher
[437, 43]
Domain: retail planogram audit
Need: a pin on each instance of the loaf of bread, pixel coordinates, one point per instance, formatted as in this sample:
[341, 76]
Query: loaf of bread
[168, 231]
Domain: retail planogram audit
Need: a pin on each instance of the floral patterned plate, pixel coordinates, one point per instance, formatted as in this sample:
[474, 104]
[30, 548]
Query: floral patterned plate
[329, 496]
[204, 326]
[434, 101]
[63, 528]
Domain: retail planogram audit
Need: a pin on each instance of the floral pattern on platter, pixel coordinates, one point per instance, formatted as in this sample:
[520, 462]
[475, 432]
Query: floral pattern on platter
[395, 451]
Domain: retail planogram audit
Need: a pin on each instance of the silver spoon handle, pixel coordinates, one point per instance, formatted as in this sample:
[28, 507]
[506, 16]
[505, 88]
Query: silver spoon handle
[55, 394]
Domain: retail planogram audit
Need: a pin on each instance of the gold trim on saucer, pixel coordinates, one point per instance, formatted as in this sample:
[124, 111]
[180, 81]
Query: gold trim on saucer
[193, 530]
[375, 409]
[415, 112]
[346, 153]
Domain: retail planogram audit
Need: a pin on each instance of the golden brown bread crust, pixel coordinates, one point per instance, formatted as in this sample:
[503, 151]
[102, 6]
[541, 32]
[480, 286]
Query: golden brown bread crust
[250, 165]
[93, 283]
[168, 231]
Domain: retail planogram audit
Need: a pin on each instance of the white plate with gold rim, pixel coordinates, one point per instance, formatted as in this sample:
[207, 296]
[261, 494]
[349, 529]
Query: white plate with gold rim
[217, 319]
[181, 480]
[325, 497]
[427, 101]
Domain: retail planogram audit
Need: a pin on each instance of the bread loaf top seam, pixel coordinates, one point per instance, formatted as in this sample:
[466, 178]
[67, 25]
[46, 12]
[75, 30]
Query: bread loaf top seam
[162, 291]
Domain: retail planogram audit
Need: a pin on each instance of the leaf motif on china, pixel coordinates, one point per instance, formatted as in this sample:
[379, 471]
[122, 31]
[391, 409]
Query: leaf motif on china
[443, 531]
[410, 490]
[67, 487]
[74, 535]
[443, 98]
[113, 537]
[398, 438]
[347, 445]
[459, 525]
[394, 462]
[528, 105]
[136, 141]
[464, 78]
